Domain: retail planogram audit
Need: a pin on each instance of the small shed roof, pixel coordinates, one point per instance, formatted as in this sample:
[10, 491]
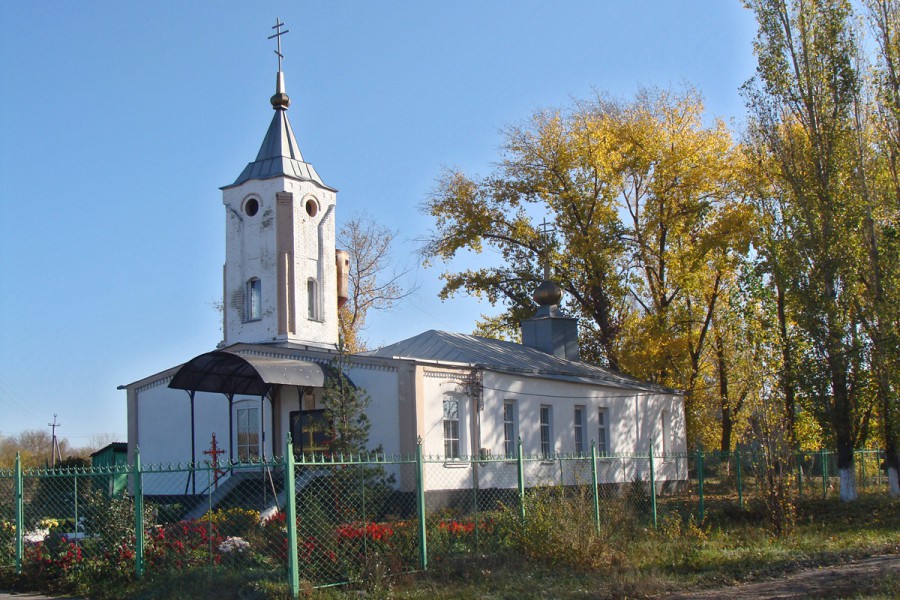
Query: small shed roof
[121, 447]
[231, 373]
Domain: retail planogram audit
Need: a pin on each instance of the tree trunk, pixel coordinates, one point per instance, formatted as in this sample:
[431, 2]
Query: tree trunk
[846, 469]
[894, 480]
[848, 483]
[786, 379]
[842, 416]
[724, 401]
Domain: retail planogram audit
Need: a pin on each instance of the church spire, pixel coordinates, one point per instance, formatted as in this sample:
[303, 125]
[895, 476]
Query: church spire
[280, 275]
[279, 154]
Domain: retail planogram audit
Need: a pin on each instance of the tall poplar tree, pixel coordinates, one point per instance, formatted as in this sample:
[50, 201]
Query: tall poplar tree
[879, 158]
[802, 108]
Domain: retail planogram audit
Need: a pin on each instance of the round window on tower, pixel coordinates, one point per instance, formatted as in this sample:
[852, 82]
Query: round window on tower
[251, 207]
[312, 207]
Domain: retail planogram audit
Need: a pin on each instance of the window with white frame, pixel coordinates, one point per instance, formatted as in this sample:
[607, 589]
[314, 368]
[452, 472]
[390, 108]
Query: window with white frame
[254, 300]
[666, 427]
[546, 431]
[248, 433]
[451, 427]
[312, 304]
[579, 430]
[603, 431]
[510, 438]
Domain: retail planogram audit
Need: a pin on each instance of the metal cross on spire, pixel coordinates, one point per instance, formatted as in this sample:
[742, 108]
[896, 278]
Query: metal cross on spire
[277, 35]
[547, 230]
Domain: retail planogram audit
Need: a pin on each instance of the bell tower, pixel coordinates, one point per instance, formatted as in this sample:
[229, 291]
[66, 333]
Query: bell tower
[280, 277]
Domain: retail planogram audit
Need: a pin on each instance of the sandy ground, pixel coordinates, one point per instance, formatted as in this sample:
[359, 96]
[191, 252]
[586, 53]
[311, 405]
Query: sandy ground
[825, 582]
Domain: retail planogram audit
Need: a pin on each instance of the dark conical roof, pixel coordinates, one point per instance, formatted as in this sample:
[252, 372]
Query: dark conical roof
[279, 155]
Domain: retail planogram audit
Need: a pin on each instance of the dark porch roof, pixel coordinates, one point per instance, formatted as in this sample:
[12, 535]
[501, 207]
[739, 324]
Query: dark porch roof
[230, 373]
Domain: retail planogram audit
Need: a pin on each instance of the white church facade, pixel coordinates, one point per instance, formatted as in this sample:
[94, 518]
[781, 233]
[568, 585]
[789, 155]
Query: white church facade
[461, 395]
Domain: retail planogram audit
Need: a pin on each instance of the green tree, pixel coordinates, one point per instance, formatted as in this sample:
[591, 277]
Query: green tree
[879, 159]
[345, 408]
[802, 115]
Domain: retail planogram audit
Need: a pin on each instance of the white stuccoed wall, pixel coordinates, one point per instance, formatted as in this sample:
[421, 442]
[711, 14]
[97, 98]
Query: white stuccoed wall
[164, 432]
[251, 252]
[634, 422]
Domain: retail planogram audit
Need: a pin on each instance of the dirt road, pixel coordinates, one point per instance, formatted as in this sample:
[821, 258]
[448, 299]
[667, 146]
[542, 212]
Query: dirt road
[826, 582]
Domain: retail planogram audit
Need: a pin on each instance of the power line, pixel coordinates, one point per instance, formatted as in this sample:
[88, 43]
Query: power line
[7, 395]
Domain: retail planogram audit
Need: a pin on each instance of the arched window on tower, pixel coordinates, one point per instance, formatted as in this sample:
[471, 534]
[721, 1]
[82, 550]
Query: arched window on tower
[312, 295]
[254, 300]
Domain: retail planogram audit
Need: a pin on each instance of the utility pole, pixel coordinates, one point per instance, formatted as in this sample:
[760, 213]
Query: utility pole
[54, 444]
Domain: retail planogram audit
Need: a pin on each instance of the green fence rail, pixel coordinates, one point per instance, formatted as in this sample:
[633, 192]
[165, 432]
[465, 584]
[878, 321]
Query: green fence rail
[329, 520]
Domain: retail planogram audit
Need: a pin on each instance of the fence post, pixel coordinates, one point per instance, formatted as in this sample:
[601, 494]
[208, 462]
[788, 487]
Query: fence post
[475, 464]
[596, 485]
[700, 479]
[138, 515]
[20, 514]
[75, 486]
[862, 467]
[652, 486]
[420, 492]
[740, 483]
[290, 496]
[521, 467]
[824, 474]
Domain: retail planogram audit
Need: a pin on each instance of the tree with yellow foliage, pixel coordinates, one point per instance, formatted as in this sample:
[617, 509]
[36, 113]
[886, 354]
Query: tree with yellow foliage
[649, 222]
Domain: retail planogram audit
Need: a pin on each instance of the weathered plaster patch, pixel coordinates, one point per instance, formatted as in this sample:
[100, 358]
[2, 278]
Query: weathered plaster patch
[237, 300]
[267, 219]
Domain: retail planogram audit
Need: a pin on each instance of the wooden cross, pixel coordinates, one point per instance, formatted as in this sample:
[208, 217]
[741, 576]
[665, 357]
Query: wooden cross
[277, 35]
[215, 452]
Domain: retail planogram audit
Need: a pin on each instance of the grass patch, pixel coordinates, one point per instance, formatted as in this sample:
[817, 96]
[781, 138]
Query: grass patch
[680, 556]
[553, 555]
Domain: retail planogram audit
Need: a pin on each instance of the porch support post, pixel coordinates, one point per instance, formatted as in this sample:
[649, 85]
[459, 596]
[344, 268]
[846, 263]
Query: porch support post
[230, 433]
[193, 446]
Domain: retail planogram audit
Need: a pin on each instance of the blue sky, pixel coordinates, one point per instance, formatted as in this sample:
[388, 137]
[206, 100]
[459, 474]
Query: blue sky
[119, 121]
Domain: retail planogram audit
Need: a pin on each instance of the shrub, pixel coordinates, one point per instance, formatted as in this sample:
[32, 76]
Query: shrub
[182, 545]
[557, 530]
[680, 541]
[233, 522]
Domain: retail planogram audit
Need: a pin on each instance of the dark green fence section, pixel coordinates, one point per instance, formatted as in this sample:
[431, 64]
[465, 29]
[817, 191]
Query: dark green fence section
[320, 521]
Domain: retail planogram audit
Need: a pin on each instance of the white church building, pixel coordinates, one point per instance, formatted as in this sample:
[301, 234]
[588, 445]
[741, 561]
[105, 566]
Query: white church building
[461, 395]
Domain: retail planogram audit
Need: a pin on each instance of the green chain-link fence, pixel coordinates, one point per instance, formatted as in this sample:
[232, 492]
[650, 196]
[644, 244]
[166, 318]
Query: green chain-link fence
[359, 518]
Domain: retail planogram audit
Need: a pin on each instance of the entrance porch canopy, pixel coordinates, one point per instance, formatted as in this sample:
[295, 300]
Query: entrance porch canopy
[232, 374]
